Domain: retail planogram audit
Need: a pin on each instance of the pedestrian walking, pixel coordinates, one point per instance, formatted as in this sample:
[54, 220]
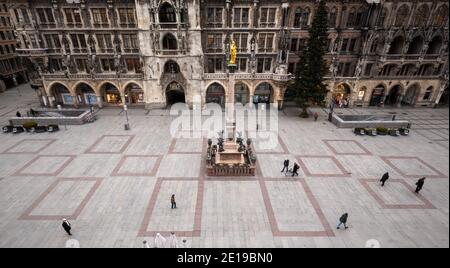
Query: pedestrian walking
[174, 203]
[420, 184]
[343, 221]
[67, 226]
[285, 166]
[18, 114]
[384, 178]
[295, 170]
[316, 116]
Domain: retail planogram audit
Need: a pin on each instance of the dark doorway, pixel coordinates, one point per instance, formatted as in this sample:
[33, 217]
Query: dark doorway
[215, 94]
[445, 97]
[377, 96]
[393, 97]
[175, 94]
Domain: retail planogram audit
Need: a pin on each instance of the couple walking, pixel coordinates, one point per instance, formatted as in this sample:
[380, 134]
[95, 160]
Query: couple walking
[419, 183]
[286, 168]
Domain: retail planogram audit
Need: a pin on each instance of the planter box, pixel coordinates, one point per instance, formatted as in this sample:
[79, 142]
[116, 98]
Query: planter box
[367, 121]
[71, 117]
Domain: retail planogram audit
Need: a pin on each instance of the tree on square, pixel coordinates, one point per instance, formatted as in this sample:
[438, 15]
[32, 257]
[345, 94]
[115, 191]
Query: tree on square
[308, 87]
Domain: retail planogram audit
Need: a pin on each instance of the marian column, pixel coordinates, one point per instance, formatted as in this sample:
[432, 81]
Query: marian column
[230, 109]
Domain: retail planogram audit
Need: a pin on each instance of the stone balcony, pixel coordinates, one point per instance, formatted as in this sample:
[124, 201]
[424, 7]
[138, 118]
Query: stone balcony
[411, 57]
[248, 76]
[58, 76]
[34, 52]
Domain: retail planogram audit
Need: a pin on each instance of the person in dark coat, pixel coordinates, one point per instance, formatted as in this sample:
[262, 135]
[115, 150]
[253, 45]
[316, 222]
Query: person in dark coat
[384, 178]
[285, 165]
[420, 184]
[343, 221]
[295, 170]
[174, 203]
[18, 114]
[67, 226]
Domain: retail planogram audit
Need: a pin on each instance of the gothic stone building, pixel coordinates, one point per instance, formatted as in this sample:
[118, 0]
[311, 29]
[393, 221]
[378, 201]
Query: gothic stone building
[12, 72]
[157, 52]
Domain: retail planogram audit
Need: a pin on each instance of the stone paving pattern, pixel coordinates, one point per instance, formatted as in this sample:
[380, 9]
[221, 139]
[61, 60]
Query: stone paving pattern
[115, 185]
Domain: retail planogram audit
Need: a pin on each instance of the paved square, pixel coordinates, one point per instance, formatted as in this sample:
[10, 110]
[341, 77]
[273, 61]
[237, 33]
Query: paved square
[45, 165]
[88, 165]
[234, 208]
[180, 165]
[29, 146]
[412, 167]
[180, 220]
[115, 185]
[397, 194]
[110, 144]
[322, 166]
[135, 165]
[65, 198]
[265, 146]
[183, 146]
[296, 212]
[347, 147]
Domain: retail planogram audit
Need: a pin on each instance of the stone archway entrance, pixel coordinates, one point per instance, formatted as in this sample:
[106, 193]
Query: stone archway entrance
[216, 94]
[377, 96]
[411, 95]
[263, 93]
[175, 94]
[394, 96]
[85, 94]
[111, 94]
[445, 97]
[62, 95]
[134, 95]
[341, 95]
[241, 93]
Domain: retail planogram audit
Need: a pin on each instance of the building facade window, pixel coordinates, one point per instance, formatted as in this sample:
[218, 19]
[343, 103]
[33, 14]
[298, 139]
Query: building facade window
[127, 18]
[133, 65]
[241, 40]
[214, 17]
[241, 17]
[265, 42]
[104, 42]
[301, 17]
[100, 17]
[81, 65]
[264, 65]
[267, 17]
[167, 14]
[402, 16]
[241, 65]
[130, 43]
[215, 65]
[45, 16]
[73, 18]
[332, 16]
[169, 42]
[78, 43]
[214, 43]
[108, 65]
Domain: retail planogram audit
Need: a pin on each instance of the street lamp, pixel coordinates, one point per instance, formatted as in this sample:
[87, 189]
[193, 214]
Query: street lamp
[127, 125]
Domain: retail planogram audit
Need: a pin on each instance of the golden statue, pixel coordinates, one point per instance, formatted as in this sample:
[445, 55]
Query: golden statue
[233, 51]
